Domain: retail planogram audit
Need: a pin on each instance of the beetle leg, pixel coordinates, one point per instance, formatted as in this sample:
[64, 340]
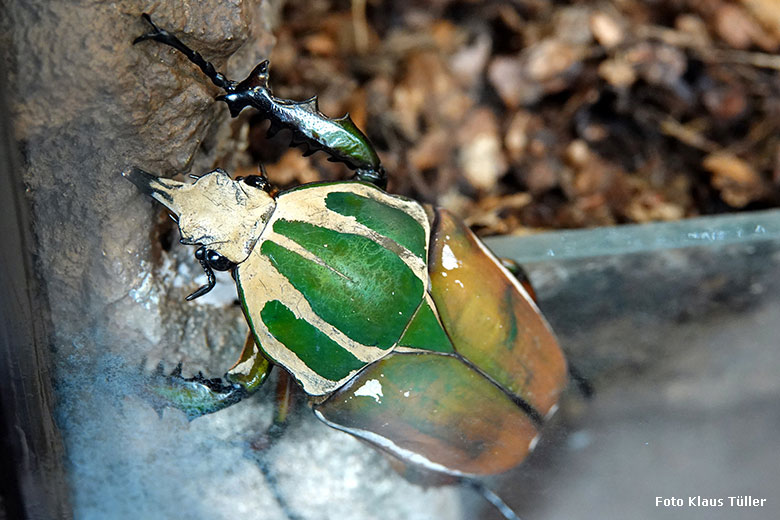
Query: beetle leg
[198, 395]
[376, 176]
[490, 495]
[285, 392]
[163, 36]
[212, 281]
[339, 138]
[252, 367]
[583, 384]
[283, 403]
[519, 273]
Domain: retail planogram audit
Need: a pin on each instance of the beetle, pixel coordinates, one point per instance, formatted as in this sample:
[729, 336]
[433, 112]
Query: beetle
[401, 327]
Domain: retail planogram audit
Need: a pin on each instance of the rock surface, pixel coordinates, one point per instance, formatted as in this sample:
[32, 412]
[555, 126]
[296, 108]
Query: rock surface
[85, 105]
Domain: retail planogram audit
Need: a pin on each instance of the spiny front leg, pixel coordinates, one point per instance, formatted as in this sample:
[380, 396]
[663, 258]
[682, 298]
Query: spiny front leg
[196, 396]
[340, 138]
[519, 273]
[163, 36]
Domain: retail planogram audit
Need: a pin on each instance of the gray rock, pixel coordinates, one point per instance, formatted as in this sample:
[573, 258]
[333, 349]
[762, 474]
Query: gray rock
[85, 105]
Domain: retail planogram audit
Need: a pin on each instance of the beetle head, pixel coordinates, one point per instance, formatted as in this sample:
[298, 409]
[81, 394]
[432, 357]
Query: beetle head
[222, 214]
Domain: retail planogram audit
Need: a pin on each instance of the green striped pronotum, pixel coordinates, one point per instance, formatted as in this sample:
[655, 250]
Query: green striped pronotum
[392, 316]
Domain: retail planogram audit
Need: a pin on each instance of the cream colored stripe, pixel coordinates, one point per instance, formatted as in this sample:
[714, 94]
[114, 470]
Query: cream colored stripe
[267, 284]
[312, 382]
[432, 305]
[278, 287]
[260, 287]
[343, 224]
[409, 350]
[308, 205]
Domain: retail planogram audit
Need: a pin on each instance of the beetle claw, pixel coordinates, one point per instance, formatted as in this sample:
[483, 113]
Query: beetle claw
[159, 409]
[195, 396]
[154, 34]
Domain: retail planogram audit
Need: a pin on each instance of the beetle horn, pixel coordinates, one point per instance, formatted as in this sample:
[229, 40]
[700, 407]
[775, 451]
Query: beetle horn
[161, 190]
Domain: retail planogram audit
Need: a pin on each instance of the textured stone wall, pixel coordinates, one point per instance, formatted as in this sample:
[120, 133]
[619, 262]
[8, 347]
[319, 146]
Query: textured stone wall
[85, 105]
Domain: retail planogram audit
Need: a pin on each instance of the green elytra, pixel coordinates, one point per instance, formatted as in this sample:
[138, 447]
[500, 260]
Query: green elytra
[393, 317]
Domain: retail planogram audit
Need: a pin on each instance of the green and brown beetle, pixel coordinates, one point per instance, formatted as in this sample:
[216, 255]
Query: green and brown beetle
[399, 324]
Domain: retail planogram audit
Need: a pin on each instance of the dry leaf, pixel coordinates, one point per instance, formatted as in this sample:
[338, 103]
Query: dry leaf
[606, 30]
[739, 184]
[480, 155]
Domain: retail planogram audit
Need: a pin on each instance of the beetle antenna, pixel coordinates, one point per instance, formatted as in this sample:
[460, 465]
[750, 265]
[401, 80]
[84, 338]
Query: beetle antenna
[261, 169]
[489, 495]
[163, 36]
[212, 281]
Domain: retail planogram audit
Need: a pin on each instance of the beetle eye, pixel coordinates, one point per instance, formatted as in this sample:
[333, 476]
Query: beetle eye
[217, 261]
[257, 181]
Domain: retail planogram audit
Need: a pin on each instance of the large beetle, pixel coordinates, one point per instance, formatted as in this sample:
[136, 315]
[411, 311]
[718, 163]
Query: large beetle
[398, 323]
